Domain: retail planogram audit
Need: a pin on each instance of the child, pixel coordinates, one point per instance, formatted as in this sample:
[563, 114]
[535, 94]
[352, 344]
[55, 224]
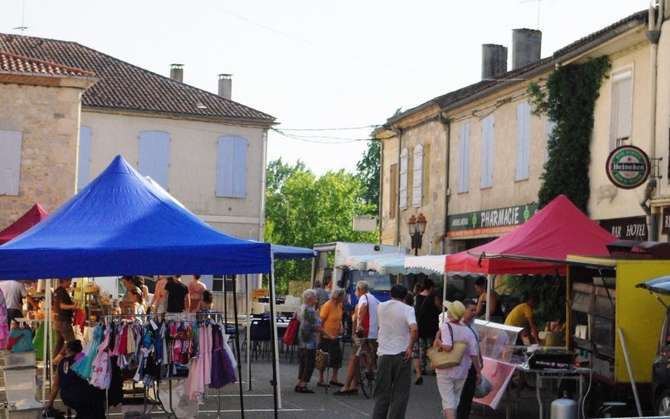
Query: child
[206, 302]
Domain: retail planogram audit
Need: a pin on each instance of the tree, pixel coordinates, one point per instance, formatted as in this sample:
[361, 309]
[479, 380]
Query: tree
[367, 169]
[305, 209]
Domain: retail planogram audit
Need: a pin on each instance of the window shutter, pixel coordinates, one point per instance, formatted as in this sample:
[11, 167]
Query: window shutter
[393, 204]
[621, 108]
[231, 167]
[464, 158]
[417, 176]
[548, 130]
[487, 152]
[10, 162]
[403, 179]
[154, 152]
[84, 160]
[523, 140]
[426, 174]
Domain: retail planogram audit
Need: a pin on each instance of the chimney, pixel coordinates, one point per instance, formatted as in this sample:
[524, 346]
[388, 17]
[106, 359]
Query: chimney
[526, 47]
[226, 85]
[177, 72]
[494, 61]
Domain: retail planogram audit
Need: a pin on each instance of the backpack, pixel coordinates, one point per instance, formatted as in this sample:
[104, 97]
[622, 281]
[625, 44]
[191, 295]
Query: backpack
[291, 333]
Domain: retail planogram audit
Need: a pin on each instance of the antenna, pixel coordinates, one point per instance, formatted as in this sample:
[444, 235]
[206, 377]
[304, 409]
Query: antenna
[23, 26]
[539, 7]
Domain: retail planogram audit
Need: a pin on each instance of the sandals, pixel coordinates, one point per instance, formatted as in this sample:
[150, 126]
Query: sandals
[418, 381]
[350, 392]
[303, 390]
[336, 384]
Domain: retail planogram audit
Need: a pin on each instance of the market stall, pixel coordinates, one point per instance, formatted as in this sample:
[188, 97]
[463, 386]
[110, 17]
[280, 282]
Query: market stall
[33, 216]
[121, 224]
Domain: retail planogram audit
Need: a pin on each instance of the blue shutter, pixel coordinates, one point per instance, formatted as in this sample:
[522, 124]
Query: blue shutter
[154, 156]
[464, 158]
[523, 140]
[10, 162]
[231, 167]
[84, 161]
[487, 152]
[548, 130]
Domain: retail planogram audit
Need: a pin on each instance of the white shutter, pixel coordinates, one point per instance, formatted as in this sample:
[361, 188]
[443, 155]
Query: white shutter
[84, 160]
[154, 156]
[523, 140]
[402, 192]
[417, 180]
[464, 158]
[231, 167]
[10, 162]
[621, 116]
[487, 152]
[549, 126]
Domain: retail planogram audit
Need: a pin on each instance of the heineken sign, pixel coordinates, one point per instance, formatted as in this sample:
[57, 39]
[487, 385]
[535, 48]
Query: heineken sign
[491, 221]
[628, 167]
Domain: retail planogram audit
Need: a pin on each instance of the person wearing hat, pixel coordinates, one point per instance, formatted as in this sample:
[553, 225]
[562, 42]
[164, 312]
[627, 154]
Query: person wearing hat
[450, 381]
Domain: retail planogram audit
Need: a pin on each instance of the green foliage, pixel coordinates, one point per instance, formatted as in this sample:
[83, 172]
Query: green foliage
[303, 209]
[367, 169]
[569, 101]
[550, 291]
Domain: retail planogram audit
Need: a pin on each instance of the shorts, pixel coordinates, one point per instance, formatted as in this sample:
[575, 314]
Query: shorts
[360, 343]
[420, 348]
[450, 389]
[65, 330]
[332, 347]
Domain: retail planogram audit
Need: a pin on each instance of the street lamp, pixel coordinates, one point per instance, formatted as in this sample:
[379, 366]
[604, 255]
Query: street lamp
[417, 226]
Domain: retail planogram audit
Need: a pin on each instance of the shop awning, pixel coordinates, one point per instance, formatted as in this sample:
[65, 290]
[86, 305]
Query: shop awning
[556, 231]
[659, 285]
[121, 224]
[390, 264]
[431, 264]
[33, 216]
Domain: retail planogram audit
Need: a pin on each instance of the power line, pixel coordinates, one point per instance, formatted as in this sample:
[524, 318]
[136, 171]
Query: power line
[323, 139]
[332, 129]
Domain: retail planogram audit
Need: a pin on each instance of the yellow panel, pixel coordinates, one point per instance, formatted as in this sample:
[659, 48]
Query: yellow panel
[640, 315]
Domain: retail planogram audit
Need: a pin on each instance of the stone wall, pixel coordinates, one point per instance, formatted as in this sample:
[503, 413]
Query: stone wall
[48, 118]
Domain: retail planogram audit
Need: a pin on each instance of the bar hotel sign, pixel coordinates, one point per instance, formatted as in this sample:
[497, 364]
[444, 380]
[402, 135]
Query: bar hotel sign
[628, 167]
[489, 222]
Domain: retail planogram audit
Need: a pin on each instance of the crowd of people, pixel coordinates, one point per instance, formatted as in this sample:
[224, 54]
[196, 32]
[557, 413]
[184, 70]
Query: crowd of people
[400, 333]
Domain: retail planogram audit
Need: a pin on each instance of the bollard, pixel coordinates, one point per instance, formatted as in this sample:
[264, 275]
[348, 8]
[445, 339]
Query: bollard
[564, 409]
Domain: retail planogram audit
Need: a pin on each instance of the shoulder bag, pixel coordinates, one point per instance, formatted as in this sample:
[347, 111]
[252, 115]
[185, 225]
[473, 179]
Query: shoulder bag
[440, 359]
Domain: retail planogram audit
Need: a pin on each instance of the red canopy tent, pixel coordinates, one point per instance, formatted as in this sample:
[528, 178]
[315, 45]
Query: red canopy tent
[33, 216]
[553, 233]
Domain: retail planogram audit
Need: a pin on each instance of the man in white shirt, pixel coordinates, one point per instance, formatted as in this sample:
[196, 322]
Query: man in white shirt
[14, 292]
[397, 334]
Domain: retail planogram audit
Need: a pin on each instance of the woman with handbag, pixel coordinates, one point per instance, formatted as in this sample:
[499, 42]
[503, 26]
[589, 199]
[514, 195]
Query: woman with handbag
[308, 335]
[455, 350]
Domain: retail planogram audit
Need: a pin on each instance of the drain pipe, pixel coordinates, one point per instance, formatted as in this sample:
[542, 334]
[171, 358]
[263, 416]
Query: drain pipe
[653, 35]
[447, 153]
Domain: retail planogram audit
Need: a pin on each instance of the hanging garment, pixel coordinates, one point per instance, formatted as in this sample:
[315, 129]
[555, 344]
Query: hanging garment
[222, 371]
[84, 366]
[79, 319]
[199, 376]
[4, 327]
[101, 374]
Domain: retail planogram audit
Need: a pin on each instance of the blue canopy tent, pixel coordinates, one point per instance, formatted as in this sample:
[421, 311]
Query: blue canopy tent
[281, 252]
[123, 224]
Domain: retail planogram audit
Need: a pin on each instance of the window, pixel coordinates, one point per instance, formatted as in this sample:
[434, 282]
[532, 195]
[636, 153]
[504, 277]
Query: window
[417, 176]
[403, 179]
[393, 196]
[10, 162]
[549, 126]
[621, 116]
[84, 160]
[487, 152]
[426, 174]
[464, 158]
[154, 156]
[231, 167]
[217, 283]
[522, 140]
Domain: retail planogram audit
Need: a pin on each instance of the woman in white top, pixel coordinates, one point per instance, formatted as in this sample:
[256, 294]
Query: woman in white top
[450, 380]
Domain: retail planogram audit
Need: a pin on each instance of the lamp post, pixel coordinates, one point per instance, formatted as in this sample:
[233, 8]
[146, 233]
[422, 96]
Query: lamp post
[417, 226]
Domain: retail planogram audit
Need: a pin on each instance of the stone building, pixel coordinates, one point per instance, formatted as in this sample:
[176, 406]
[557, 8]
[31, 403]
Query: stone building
[40, 111]
[204, 148]
[471, 160]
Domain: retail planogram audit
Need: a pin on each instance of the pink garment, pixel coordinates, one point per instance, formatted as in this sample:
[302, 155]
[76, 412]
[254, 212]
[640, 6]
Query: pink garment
[4, 327]
[101, 371]
[199, 375]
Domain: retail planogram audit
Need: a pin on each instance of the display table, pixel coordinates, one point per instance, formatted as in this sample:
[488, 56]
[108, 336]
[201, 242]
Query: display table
[575, 374]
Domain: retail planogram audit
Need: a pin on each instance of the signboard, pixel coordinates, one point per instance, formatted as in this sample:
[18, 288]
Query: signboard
[364, 223]
[629, 228]
[490, 221]
[628, 167]
[665, 222]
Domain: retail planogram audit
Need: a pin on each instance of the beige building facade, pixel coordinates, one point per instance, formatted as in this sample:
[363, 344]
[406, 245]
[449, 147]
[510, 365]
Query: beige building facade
[488, 149]
[39, 129]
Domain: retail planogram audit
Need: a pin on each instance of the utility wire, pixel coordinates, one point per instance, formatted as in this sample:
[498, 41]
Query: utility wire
[332, 129]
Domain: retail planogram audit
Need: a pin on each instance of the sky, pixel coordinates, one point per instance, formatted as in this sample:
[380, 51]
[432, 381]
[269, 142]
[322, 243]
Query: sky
[314, 64]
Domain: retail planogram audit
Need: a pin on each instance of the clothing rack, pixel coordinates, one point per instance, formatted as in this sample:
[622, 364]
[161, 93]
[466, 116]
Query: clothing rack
[186, 316]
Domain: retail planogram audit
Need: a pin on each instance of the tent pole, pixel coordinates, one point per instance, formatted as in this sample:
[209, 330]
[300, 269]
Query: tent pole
[248, 330]
[237, 345]
[275, 350]
[444, 292]
[489, 289]
[45, 350]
